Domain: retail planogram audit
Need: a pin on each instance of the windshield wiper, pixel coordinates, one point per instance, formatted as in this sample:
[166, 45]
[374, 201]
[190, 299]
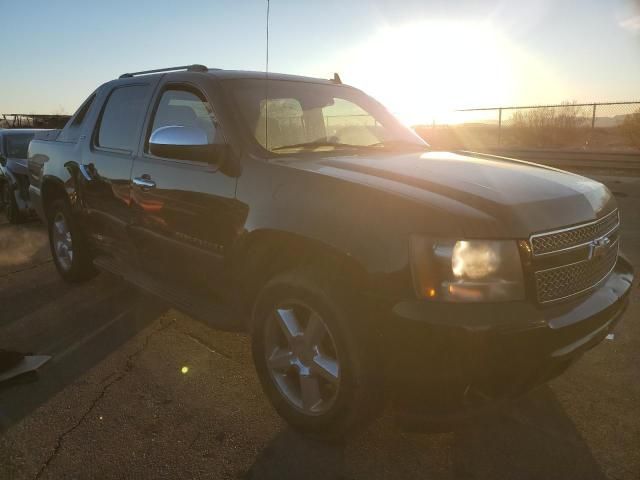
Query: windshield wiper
[321, 143]
[399, 143]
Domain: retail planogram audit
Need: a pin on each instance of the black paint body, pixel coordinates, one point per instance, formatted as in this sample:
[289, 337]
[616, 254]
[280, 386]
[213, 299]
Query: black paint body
[200, 224]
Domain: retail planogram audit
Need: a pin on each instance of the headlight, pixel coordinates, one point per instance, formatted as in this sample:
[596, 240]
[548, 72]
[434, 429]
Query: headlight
[466, 270]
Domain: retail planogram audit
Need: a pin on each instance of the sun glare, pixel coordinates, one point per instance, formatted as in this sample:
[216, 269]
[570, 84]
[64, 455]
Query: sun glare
[425, 70]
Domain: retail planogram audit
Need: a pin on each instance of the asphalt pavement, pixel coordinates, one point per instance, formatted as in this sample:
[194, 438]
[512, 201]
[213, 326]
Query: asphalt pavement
[137, 390]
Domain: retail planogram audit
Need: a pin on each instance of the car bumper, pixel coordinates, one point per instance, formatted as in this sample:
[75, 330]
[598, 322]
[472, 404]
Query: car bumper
[462, 355]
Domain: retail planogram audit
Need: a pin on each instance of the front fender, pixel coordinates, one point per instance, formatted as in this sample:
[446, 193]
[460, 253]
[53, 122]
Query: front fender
[367, 225]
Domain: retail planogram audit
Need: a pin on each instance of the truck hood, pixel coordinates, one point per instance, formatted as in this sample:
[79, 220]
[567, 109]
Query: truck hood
[488, 195]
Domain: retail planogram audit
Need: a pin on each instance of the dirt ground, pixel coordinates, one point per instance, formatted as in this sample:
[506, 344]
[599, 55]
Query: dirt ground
[114, 402]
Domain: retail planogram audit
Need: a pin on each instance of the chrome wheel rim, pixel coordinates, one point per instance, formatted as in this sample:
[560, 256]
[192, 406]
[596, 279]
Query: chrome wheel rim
[302, 358]
[62, 241]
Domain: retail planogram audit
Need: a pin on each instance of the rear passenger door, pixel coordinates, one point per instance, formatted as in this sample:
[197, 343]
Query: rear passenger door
[107, 164]
[186, 218]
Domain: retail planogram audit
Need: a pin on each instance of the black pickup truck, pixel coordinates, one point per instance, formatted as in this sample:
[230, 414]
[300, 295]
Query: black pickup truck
[366, 266]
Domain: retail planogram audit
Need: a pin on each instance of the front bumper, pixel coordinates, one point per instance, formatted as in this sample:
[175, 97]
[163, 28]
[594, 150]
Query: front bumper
[453, 356]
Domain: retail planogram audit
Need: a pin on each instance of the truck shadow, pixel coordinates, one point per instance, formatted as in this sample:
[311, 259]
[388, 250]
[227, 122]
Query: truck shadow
[531, 439]
[534, 438]
[77, 340]
[79, 325]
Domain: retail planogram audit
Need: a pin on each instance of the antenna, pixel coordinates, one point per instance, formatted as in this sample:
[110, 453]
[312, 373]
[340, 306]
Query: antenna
[266, 87]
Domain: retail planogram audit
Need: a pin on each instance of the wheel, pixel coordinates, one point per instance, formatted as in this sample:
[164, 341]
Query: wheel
[313, 355]
[69, 248]
[12, 212]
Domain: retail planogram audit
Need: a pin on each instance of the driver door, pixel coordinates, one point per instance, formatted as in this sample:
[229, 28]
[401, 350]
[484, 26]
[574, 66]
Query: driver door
[184, 211]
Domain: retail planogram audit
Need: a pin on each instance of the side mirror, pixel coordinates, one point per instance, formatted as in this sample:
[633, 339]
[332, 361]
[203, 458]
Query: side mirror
[185, 143]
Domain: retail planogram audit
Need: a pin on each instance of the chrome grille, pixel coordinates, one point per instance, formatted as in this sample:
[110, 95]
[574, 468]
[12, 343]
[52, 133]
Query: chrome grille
[573, 260]
[567, 280]
[572, 237]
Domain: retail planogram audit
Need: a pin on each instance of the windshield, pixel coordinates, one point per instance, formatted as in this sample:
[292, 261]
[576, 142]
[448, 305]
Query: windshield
[16, 146]
[311, 117]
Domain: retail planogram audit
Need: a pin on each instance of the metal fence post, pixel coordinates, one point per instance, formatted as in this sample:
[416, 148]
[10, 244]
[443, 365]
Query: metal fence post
[593, 117]
[499, 126]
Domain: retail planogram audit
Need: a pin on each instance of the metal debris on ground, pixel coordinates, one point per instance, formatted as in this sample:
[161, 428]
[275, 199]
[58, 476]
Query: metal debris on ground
[13, 364]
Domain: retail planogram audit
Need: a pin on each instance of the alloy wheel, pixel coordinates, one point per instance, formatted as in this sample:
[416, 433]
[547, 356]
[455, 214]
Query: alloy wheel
[302, 358]
[62, 241]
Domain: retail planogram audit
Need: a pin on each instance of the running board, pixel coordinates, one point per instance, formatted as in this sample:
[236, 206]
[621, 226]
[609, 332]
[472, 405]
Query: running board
[214, 314]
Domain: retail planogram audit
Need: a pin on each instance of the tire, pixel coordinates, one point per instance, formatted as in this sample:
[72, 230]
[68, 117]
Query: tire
[350, 398]
[65, 236]
[11, 206]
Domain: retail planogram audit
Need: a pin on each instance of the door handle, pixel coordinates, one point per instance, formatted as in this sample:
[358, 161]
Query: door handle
[144, 182]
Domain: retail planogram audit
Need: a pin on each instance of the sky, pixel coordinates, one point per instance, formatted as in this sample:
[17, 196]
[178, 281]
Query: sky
[422, 59]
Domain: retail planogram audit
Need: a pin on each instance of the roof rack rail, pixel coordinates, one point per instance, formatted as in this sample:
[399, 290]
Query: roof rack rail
[189, 68]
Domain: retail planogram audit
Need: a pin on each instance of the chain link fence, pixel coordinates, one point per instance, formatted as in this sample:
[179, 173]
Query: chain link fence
[607, 127]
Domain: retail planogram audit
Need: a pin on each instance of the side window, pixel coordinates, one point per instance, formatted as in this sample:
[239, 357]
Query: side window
[186, 109]
[72, 130]
[122, 118]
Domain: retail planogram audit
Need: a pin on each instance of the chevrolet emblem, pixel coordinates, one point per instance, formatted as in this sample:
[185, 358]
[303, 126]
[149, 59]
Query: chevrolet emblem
[598, 247]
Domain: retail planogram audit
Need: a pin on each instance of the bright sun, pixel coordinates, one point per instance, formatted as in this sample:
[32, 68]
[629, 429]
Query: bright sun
[422, 71]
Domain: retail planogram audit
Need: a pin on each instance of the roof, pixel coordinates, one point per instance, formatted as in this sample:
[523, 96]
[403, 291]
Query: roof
[244, 74]
[230, 74]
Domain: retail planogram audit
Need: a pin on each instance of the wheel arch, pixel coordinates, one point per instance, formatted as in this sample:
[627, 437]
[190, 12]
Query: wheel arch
[264, 253]
[53, 188]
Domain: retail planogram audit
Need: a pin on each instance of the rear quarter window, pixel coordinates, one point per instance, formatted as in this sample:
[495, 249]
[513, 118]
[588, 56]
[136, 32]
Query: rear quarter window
[73, 129]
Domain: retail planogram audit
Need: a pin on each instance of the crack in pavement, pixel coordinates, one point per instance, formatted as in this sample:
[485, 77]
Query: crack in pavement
[30, 267]
[204, 344]
[127, 368]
